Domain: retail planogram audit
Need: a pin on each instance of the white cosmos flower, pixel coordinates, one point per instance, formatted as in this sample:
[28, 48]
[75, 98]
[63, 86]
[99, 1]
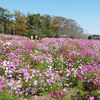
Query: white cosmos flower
[35, 82]
[6, 68]
[5, 73]
[10, 71]
[18, 85]
[50, 67]
[67, 74]
[33, 75]
[8, 43]
[80, 67]
[10, 83]
[8, 62]
[52, 77]
[4, 63]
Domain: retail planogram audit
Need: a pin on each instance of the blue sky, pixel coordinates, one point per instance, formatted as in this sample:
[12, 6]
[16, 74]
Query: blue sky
[85, 12]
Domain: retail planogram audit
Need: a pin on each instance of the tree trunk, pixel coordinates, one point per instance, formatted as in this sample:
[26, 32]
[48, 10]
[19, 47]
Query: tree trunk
[2, 28]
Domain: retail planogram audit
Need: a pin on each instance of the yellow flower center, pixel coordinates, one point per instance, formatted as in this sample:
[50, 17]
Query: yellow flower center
[1, 84]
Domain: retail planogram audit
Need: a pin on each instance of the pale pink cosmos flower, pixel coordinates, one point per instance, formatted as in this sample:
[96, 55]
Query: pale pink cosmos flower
[27, 81]
[88, 80]
[41, 80]
[17, 77]
[18, 82]
[98, 96]
[27, 75]
[27, 66]
[20, 93]
[20, 86]
[31, 77]
[35, 96]
[95, 83]
[21, 70]
[35, 82]
[64, 90]
[98, 91]
[91, 98]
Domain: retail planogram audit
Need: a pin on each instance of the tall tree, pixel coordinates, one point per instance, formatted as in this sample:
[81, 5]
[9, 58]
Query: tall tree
[19, 25]
[4, 17]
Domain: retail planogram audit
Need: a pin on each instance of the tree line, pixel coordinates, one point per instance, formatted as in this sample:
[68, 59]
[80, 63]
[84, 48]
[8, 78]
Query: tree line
[18, 23]
[94, 37]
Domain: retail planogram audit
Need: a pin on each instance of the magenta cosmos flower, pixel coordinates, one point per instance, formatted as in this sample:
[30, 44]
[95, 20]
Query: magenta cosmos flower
[59, 93]
[1, 84]
[52, 94]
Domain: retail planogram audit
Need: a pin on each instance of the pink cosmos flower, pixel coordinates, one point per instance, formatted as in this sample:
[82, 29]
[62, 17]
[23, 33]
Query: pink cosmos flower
[70, 68]
[91, 98]
[90, 87]
[3, 71]
[98, 91]
[1, 84]
[35, 96]
[13, 95]
[99, 87]
[62, 72]
[98, 96]
[95, 83]
[26, 93]
[27, 66]
[12, 67]
[20, 86]
[83, 88]
[35, 82]
[64, 90]
[79, 73]
[88, 80]
[21, 70]
[17, 77]
[27, 75]
[20, 93]
[79, 78]
[41, 80]
[27, 81]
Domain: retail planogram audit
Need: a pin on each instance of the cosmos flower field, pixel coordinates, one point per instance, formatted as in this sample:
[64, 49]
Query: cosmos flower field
[49, 66]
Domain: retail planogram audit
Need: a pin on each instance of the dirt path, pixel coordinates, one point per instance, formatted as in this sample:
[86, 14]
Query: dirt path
[72, 91]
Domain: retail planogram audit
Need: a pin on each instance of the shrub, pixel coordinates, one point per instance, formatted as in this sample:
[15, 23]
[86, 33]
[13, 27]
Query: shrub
[90, 37]
[72, 37]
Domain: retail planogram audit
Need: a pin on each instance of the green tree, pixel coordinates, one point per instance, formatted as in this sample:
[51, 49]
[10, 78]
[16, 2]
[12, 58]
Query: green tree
[72, 37]
[49, 33]
[5, 15]
[90, 37]
[42, 35]
[19, 25]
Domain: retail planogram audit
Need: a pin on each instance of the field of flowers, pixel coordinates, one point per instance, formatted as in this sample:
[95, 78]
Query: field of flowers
[49, 66]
